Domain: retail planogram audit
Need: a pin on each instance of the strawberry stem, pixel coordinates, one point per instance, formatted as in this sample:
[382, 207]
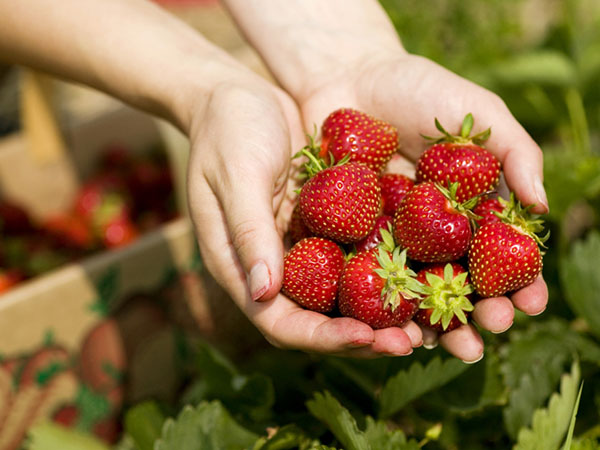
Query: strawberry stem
[465, 133]
[400, 280]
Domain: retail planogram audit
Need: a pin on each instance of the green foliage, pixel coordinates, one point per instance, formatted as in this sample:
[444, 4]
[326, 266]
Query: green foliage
[143, 423]
[408, 385]
[207, 426]
[48, 436]
[580, 279]
[550, 424]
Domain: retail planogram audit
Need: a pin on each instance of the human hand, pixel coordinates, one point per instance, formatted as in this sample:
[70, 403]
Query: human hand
[240, 196]
[409, 92]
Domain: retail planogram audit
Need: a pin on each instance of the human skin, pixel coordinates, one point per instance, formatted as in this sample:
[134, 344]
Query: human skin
[243, 131]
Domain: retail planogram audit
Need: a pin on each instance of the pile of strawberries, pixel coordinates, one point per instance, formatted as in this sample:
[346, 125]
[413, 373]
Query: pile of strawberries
[124, 198]
[383, 248]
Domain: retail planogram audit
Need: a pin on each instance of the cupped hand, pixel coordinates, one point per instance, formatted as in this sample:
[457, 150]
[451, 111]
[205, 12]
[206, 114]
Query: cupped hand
[409, 92]
[240, 196]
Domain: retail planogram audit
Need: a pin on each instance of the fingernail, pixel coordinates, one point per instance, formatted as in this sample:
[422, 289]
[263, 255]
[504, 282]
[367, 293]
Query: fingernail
[359, 343]
[259, 280]
[419, 344]
[502, 331]
[430, 346]
[537, 314]
[399, 353]
[474, 361]
[540, 192]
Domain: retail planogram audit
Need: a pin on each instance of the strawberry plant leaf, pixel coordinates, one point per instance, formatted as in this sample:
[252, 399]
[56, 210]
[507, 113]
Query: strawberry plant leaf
[408, 385]
[550, 424]
[143, 423]
[328, 410]
[569, 439]
[48, 436]
[207, 426]
[532, 390]
[380, 436]
[536, 67]
[580, 280]
[288, 437]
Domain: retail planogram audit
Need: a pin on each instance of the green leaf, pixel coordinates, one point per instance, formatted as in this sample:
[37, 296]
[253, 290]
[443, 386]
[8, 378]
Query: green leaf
[106, 287]
[536, 67]
[550, 424]
[381, 437]
[580, 279]
[408, 385]
[531, 392]
[585, 444]
[569, 439]
[207, 426]
[48, 436]
[286, 437]
[143, 423]
[339, 421]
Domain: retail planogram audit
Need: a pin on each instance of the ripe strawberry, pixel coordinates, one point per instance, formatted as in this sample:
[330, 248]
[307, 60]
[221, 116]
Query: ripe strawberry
[394, 187]
[382, 224]
[311, 273]
[460, 159]
[340, 202]
[432, 225]
[70, 231]
[297, 229]
[447, 297]
[118, 231]
[378, 288]
[485, 210]
[505, 256]
[9, 279]
[367, 140]
[95, 193]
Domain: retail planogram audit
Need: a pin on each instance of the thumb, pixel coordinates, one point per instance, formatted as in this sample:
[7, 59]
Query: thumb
[251, 222]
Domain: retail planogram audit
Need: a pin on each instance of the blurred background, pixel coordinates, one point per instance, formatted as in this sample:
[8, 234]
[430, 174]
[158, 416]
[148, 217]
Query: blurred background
[92, 153]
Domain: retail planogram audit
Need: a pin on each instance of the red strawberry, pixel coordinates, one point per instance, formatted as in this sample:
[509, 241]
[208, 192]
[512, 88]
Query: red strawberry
[340, 202]
[378, 288]
[67, 416]
[297, 229]
[9, 279]
[447, 297]
[505, 256]
[460, 159]
[485, 210]
[118, 231]
[96, 193]
[367, 140]
[70, 231]
[394, 187]
[311, 272]
[383, 223]
[431, 225]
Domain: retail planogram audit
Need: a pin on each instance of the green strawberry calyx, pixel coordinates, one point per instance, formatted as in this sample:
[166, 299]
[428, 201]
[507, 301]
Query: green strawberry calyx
[465, 134]
[465, 208]
[447, 296]
[521, 218]
[400, 280]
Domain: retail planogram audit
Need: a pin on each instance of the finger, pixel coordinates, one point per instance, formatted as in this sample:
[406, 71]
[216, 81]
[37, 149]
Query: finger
[532, 299]
[494, 314]
[430, 338]
[392, 341]
[246, 198]
[413, 331]
[464, 343]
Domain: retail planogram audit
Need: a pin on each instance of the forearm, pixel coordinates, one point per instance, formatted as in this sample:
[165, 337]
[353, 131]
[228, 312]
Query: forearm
[303, 41]
[130, 49]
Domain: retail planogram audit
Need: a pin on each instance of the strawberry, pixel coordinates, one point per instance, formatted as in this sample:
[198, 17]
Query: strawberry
[297, 229]
[460, 159]
[311, 273]
[378, 288]
[9, 279]
[368, 140]
[505, 256]
[340, 202]
[118, 231]
[447, 296]
[394, 187]
[485, 210]
[70, 231]
[383, 223]
[98, 191]
[432, 225]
